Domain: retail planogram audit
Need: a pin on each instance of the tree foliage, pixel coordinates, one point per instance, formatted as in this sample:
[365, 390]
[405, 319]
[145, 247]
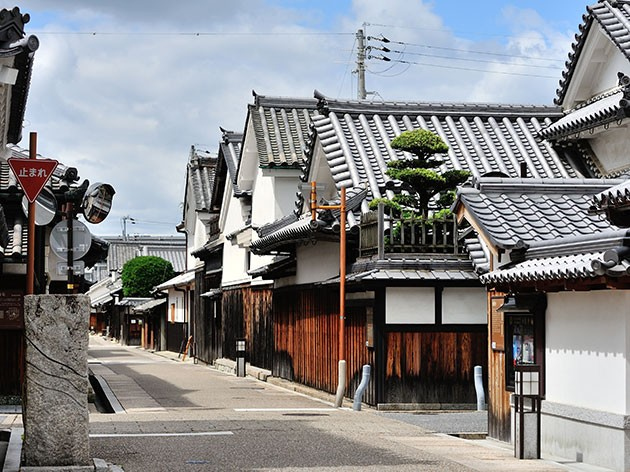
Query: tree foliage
[141, 274]
[420, 175]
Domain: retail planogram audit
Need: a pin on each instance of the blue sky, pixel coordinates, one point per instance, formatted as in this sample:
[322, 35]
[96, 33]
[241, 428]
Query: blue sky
[121, 89]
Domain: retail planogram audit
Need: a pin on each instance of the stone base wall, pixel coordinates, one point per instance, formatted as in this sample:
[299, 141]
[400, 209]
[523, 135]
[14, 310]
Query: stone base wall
[56, 417]
[583, 435]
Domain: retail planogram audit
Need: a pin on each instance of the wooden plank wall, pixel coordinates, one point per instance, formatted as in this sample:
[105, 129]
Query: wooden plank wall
[433, 367]
[499, 426]
[11, 361]
[306, 327]
[247, 313]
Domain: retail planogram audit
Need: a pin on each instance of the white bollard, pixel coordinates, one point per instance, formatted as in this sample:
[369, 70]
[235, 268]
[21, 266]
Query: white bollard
[481, 397]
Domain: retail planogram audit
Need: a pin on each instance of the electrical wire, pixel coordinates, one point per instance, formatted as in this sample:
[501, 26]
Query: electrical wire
[486, 61]
[187, 33]
[470, 69]
[469, 51]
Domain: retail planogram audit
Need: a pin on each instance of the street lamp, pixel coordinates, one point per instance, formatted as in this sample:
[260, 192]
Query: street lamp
[342, 367]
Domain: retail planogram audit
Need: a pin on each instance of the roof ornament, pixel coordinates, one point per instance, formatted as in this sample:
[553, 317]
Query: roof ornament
[12, 25]
[322, 102]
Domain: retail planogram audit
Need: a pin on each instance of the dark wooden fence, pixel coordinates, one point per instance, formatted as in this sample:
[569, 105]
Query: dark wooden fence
[247, 313]
[306, 327]
[433, 367]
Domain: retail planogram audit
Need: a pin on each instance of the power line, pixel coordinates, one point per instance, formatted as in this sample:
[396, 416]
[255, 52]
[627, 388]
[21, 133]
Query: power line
[475, 60]
[187, 33]
[469, 69]
[467, 51]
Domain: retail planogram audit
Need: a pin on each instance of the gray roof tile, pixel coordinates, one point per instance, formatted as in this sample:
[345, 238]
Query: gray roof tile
[600, 110]
[230, 152]
[172, 249]
[281, 127]
[201, 177]
[538, 209]
[482, 138]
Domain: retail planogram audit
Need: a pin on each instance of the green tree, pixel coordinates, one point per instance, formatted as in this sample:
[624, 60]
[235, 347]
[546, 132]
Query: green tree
[140, 274]
[420, 175]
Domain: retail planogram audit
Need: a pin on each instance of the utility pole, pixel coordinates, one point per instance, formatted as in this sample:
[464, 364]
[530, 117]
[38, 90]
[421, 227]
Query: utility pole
[361, 92]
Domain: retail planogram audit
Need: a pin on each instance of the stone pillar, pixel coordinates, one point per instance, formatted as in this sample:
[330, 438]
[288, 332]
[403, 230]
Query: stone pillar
[56, 418]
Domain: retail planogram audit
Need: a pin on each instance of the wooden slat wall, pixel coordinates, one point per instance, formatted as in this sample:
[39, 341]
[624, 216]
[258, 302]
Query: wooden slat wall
[247, 313]
[433, 367]
[499, 426]
[306, 325]
[11, 361]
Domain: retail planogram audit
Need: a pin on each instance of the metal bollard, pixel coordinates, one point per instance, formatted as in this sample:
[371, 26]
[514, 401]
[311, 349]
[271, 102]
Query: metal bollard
[481, 397]
[358, 396]
[240, 357]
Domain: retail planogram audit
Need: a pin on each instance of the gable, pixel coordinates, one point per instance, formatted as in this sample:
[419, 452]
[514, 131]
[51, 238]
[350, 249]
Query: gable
[601, 49]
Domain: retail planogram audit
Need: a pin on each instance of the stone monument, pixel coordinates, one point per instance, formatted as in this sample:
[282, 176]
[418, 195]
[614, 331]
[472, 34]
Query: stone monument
[56, 417]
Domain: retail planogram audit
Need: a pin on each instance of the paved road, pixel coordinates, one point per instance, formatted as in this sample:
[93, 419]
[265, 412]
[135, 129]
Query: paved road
[186, 417]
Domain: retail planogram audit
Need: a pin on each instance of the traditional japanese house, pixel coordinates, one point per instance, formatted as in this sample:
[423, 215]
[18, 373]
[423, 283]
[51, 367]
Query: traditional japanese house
[417, 312]
[207, 322]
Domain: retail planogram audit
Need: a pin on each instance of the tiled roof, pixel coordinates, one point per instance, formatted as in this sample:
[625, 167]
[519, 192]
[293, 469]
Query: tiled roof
[230, 153]
[600, 110]
[613, 197]
[172, 249]
[22, 51]
[482, 138]
[614, 19]
[413, 268]
[290, 230]
[201, 177]
[573, 258]
[511, 211]
[281, 127]
[182, 279]
[478, 254]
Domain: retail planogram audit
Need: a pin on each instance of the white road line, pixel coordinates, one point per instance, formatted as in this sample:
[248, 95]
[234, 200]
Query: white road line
[161, 435]
[285, 409]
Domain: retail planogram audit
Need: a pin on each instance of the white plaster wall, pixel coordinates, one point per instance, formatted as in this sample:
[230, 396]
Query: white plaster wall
[176, 298]
[465, 305]
[611, 148]
[410, 305]
[249, 159]
[234, 257]
[586, 349]
[317, 262]
[263, 199]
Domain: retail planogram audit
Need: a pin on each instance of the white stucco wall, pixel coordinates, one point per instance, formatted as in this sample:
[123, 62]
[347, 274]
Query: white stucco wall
[410, 305]
[465, 305]
[234, 257]
[587, 335]
[317, 262]
[176, 302]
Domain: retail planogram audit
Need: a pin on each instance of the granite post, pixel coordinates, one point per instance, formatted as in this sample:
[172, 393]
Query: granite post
[56, 418]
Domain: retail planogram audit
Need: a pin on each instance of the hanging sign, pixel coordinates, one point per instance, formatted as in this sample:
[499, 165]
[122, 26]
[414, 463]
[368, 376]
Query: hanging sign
[32, 174]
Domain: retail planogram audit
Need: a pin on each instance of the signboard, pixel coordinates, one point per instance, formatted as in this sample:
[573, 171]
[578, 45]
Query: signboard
[81, 239]
[11, 310]
[497, 328]
[32, 174]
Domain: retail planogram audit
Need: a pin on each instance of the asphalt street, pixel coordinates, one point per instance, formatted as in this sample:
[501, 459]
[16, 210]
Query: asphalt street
[181, 416]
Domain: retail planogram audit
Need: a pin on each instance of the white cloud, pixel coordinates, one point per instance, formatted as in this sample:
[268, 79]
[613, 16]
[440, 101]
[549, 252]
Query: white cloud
[124, 105]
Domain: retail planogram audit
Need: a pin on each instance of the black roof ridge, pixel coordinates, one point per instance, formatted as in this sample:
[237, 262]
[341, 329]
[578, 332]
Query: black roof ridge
[534, 185]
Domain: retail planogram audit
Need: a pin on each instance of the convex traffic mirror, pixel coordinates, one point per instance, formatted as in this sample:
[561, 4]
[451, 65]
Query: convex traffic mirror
[97, 202]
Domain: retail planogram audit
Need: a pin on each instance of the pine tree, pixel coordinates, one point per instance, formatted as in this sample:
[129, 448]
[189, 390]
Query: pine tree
[426, 186]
